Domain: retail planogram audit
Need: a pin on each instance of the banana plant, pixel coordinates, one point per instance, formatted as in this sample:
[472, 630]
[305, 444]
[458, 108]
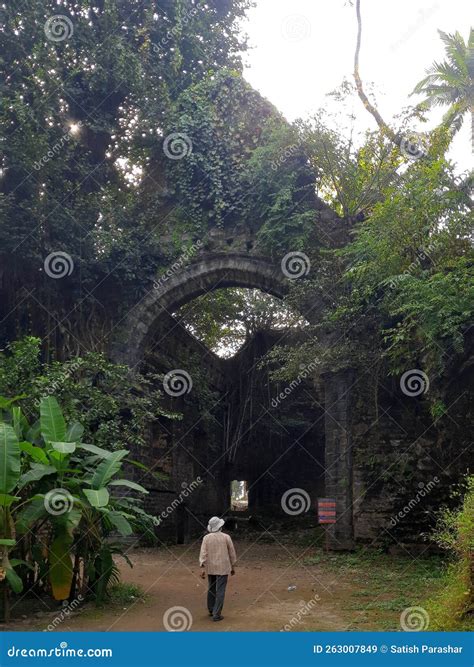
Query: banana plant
[9, 476]
[71, 486]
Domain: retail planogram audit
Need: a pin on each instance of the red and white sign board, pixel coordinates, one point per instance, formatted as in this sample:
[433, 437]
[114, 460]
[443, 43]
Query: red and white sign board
[326, 510]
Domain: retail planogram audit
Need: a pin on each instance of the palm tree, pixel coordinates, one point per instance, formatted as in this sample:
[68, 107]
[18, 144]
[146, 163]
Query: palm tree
[451, 82]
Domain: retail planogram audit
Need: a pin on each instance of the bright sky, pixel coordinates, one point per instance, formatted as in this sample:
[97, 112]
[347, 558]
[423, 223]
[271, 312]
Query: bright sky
[302, 50]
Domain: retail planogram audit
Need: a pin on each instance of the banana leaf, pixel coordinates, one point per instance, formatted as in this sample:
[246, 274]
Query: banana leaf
[53, 426]
[129, 484]
[35, 473]
[9, 458]
[120, 523]
[74, 432]
[64, 447]
[36, 453]
[14, 580]
[97, 497]
[107, 469]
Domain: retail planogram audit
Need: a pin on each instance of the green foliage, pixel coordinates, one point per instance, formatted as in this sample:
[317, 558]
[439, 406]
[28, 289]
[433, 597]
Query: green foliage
[114, 407]
[279, 189]
[433, 311]
[224, 119]
[403, 288]
[82, 126]
[71, 496]
[451, 82]
[122, 594]
[227, 318]
[412, 261]
[453, 607]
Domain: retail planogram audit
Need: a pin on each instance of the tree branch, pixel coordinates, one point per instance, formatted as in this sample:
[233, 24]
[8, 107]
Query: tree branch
[360, 89]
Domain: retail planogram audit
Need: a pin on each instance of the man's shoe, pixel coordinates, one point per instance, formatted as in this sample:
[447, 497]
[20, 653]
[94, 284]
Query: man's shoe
[218, 618]
[210, 613]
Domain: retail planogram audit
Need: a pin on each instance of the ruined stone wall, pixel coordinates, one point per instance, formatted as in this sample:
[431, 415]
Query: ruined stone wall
[405, 461]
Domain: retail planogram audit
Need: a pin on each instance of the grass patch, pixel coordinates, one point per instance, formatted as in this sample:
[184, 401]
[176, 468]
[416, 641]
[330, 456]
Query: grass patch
[125, 594]
[452, 608]
[380, 585]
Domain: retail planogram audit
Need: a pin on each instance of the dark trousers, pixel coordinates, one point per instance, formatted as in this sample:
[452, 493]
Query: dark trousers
[215, 593]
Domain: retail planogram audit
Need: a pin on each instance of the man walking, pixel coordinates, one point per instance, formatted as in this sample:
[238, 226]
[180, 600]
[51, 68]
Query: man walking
[217, 558]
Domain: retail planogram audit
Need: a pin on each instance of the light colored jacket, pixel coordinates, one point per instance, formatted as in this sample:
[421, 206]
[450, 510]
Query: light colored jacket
[217, 553]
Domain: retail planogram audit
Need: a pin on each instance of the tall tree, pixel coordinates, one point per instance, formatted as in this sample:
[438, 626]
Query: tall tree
[451, 82]
[85, 102]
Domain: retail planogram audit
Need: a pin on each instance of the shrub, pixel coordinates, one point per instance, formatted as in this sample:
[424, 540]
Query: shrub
[453, 607]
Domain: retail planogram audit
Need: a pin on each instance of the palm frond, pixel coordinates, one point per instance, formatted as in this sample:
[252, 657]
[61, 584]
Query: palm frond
[450, 82]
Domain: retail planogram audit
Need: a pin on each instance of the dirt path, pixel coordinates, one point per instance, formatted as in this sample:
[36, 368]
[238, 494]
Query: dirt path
[325, 598]
[257, 596]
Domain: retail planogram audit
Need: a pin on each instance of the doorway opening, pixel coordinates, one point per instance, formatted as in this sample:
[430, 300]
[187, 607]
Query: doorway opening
[239, 497]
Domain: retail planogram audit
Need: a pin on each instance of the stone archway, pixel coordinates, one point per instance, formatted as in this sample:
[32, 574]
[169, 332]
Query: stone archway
[220, 270]
[214, 271]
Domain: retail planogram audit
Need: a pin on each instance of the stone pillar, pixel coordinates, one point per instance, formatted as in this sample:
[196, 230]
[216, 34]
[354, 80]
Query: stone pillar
[338, 457]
